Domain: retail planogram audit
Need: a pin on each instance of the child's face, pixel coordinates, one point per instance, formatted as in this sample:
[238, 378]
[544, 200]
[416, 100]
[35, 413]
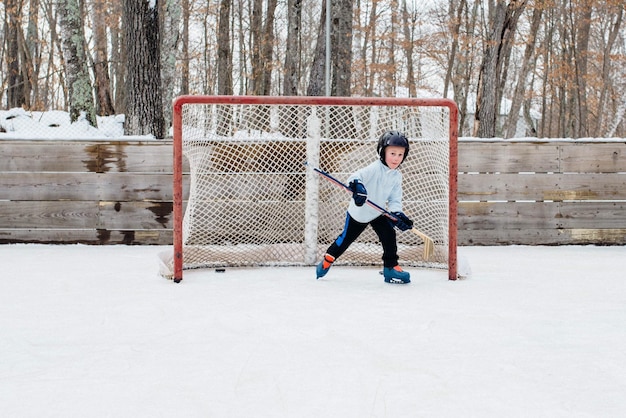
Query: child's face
[394, 156]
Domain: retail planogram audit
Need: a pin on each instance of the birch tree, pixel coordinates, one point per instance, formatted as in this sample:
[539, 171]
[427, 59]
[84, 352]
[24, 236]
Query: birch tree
[79, 88]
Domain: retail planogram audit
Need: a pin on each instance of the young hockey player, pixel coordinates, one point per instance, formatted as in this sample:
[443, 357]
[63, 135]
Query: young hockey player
[381, 183]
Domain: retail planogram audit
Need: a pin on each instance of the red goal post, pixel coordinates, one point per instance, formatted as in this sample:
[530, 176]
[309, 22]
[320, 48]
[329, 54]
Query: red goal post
[252, 201]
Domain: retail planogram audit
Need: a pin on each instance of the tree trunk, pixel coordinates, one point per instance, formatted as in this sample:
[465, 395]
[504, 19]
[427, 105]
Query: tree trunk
[224, 56]
[262, 47]
[104, 101]
[606, 67]
[80, 90]
[502, 26]
[317, 85]
[408, 50]
[144, 107]
[463, 66]
[518, 96]
[170, 13]
[581, 54]
[184, 78]
[455, 31]
[15, 89]
[256, 29]
[292, 50]
[342, 54]
[33, 60]
[118, 57]
[371, 70]
[267, 49]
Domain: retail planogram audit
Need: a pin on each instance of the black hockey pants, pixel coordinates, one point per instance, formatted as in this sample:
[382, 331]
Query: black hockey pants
[351, 231]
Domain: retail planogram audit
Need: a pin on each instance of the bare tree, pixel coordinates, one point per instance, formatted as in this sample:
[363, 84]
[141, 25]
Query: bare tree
[317, 84]
[518, 96]
[581, 60]
[15, 79]
[80, 90]
[293, 48]
[118, 54]
[104, 100]
[502, 25]
[224, 56]
[614, 27]
[568, 70]
[170, 17]
[457, 26]
[144, 106]
[184, 78]
[341, 35]
[408, 22]
[32, 56]
[262, 31]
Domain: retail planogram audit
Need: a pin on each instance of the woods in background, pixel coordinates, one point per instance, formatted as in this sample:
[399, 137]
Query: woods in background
[555, 68]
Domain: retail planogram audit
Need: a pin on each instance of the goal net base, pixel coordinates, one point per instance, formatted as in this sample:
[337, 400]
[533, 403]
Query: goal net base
[272, 256]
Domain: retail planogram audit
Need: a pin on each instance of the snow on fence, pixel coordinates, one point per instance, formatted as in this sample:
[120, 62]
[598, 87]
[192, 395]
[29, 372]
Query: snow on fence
[120, 192]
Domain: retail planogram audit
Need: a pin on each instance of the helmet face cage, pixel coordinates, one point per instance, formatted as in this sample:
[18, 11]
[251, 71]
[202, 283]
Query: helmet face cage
[393, 138]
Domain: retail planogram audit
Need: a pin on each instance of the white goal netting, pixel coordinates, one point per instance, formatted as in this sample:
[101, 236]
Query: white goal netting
[251, 201]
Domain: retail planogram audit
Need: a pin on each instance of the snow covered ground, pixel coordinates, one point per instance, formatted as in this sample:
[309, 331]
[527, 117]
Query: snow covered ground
[18, 123]
[90, 331]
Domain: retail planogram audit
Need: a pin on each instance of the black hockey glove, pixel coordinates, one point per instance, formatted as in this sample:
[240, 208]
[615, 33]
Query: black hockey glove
[403, 223]
[359, 194]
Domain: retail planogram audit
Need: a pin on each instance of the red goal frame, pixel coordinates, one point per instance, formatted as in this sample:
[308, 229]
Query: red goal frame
[181, 101]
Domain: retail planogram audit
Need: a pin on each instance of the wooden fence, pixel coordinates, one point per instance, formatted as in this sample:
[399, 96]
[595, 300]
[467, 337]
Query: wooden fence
[120, 192]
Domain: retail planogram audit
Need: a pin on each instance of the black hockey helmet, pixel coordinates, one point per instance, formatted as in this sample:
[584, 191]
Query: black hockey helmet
[394, 138]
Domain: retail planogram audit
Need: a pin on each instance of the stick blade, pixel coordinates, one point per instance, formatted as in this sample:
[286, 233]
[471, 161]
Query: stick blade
[429, 248]
[429, 245]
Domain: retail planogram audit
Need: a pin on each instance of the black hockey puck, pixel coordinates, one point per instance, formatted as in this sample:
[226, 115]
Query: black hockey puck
[220, 270]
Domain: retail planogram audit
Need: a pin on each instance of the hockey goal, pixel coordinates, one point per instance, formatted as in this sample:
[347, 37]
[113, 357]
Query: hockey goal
[250, 200]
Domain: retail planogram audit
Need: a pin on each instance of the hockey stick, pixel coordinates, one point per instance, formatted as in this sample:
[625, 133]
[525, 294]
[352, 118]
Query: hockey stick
[428, 242]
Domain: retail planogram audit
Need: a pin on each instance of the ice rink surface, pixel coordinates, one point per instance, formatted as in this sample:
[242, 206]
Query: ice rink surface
[94, 331]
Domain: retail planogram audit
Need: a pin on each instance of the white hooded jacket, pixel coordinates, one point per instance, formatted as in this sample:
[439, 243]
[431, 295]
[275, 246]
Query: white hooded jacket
[384, 187]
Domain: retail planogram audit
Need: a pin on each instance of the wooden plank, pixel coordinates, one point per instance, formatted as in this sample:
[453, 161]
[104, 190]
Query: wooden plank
[541, 215]
[99, 215]
[508, 157]
[511, 237]
[103, 192]
[39, 186]
[85, 156]
[593, 157]
[88, 186]
[586, 187]
[540, 187]
[36, 156]
[135, 215]
[86, 236]
[504, 187]
[591, 215]
[507, 215]
[56, 214]
[542, 237]
[144, 157]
